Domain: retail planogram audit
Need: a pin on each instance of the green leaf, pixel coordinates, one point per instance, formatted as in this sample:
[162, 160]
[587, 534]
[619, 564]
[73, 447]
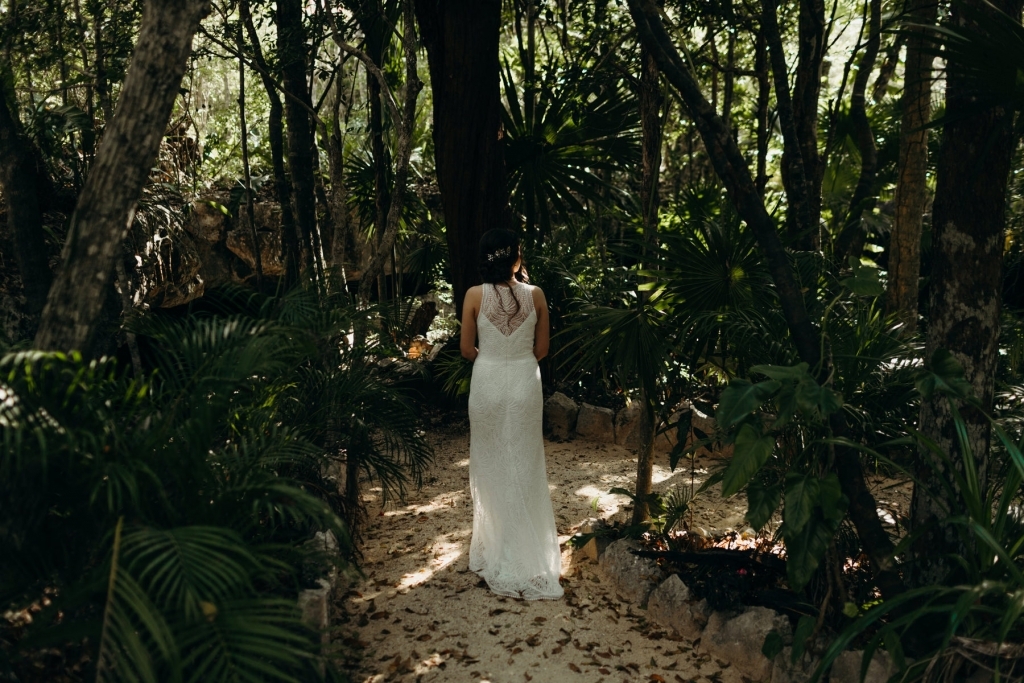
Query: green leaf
[864, 281]
[808, 396]
[805, 549]
[751, 452]
[741, 398]
[831, 499]
[783, 372]
[773, 645]
[762, 501]
[801, 497]
[804, 629]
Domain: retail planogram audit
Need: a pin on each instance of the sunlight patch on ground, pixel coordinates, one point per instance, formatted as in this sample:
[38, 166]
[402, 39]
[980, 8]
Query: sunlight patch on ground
[446, 549]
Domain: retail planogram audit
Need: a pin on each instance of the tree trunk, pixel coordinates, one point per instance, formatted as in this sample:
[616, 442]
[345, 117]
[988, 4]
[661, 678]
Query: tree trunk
[250, 203]
[851, 238]
[651, 100]
[911, 182]
[461, 37]
[123, 162]
[806, 92]
[731, 167]
[803, 204]
[968, 226]
[275, 134]
[291, 43]
[18, 178]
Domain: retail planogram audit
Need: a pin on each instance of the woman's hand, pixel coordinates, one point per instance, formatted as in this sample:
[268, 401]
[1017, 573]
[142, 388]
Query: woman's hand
[470, 310]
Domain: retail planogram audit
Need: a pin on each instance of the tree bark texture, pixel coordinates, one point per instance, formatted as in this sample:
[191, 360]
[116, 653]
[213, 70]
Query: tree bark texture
[801, 212]
[126, 154]
[852, 236]
[291, 43]
[732, 168]
[275, 135]
[968, 227]
[806, 93]
[405, 123]
[18, 178]
[461, 37]
[651, 101]
[912, 172]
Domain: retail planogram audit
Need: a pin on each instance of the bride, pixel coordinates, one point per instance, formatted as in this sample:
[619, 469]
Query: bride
[515, 545]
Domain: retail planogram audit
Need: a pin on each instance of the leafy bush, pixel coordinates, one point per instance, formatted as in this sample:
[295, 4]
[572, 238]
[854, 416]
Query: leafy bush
[166, 519]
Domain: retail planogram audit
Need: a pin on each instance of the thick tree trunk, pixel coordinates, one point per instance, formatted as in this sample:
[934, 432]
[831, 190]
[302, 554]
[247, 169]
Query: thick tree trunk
[275, 134]
[291, 43]
[123, 161]
[911, 182]
[968, 228]
[18, 179]
[461, 37]
[651, 100]
[732, 168]
[851, 238]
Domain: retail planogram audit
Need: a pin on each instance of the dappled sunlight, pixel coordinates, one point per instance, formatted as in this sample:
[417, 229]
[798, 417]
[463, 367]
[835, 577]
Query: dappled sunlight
[443, 501]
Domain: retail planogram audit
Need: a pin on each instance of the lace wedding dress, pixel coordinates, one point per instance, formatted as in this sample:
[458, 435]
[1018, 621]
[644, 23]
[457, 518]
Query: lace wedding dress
[515, 545]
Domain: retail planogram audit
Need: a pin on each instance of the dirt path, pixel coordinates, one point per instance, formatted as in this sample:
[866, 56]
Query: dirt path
[421, 615]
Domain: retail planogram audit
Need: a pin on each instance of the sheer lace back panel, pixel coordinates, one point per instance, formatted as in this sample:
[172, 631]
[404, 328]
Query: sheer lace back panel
[499, 305]
[515, 543]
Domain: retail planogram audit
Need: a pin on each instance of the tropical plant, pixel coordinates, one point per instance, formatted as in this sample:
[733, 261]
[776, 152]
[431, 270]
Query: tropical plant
[166, 518]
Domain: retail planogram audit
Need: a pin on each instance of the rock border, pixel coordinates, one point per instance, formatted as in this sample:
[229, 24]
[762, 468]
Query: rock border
[735, 637]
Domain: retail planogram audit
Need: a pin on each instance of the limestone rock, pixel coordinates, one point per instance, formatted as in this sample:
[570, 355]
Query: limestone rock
[315, 605]
[784, 670]
[239, 241]
[634, 577]
[627, 426]
[206, 221]
[846, 668]
[739, 640]
[670, 606]
[596, 546]
[596, 424]
[560, 416]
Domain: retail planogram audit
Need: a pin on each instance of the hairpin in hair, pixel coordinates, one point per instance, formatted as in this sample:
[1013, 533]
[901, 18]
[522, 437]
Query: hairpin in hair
[500, 253]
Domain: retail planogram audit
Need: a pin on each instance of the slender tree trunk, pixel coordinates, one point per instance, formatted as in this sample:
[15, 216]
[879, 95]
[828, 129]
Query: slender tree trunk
[20, 184]
[912, 174]
[461, 37]
[968, 227]
[250, 203]
[732, 169]
[804, 205]
[405, 124]
[292, 53]
[126, 155]
[763, 96]
[290, 240]
[651, 100]
[851, 238]
[102, 85]
[806, 92]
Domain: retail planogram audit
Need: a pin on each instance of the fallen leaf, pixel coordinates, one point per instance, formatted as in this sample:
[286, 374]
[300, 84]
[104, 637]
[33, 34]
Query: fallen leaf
[574, 668]
[425, 636]
[657, 679]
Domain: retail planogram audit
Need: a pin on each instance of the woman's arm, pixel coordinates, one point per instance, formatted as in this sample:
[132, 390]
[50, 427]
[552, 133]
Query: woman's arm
[542, 334]
[470, 309]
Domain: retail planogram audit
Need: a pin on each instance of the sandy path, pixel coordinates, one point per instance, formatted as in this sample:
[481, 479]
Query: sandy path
[421, 615]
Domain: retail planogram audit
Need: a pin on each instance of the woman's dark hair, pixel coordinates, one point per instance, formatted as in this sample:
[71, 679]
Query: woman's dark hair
[499, 251]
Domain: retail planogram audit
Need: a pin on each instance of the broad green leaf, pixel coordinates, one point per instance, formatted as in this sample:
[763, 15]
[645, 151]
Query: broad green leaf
[772, 645]
[808, 396]
[801, 497]
[751, 452]
[786, 404]
[864, 281]
[805, 549]
[762, 501]
[741, 398]
[783, 372]
[804, 630]
[831, 499]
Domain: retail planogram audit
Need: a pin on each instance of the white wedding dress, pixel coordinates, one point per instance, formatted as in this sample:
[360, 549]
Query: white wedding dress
[515, 545]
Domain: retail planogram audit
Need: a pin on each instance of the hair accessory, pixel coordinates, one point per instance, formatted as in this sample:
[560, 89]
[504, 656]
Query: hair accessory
[499, 254]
